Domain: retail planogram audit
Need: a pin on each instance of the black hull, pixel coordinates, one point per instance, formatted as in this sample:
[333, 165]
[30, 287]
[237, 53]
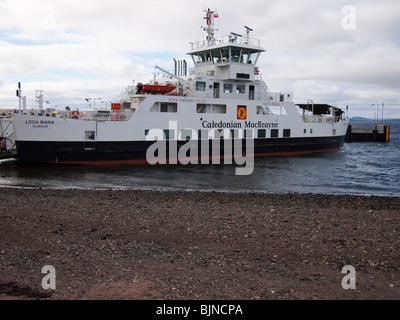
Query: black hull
[135, 151]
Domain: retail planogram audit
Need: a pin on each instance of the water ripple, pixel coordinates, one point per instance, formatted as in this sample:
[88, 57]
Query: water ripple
[358, 168]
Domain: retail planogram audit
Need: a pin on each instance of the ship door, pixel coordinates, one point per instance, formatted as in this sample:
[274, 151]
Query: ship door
[90, 140]
[251, 92]
[216, 89]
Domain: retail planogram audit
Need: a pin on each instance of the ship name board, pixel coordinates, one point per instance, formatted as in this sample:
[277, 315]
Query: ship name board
[39, 123]
[239, 125]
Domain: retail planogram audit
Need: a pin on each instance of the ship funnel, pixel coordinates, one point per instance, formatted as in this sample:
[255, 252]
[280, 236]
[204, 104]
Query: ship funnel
[180, 68]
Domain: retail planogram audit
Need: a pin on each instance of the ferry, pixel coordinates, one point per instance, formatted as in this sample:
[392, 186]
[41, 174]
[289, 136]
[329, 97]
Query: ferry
[222, 98]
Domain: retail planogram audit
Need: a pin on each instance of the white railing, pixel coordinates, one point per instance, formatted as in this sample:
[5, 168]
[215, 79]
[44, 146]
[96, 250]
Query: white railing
[280, 96]
[125, 95]
[107, 115]
[321, 119]
[228, 39]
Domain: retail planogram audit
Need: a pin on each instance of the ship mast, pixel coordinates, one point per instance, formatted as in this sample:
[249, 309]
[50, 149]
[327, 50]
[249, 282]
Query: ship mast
[210, 16]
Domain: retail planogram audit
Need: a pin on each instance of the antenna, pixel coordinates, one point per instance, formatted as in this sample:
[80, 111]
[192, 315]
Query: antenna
[19, 95]
[248, 30]
[211, 15]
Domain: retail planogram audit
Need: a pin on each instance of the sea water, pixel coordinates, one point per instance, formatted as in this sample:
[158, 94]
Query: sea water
[358, 168]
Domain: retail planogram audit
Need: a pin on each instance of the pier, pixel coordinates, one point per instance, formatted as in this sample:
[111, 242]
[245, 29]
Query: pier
[379, 133]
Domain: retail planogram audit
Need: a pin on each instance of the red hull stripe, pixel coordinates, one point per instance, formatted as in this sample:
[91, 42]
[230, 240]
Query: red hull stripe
[295, 153]
[210, 158]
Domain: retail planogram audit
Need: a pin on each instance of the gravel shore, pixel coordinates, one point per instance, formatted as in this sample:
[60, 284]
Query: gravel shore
[192, 245]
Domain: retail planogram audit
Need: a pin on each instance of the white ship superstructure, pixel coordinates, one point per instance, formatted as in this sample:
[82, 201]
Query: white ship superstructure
[222, 97]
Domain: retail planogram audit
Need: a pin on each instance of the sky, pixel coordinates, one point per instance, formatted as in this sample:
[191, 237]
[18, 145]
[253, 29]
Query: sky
[343, 53]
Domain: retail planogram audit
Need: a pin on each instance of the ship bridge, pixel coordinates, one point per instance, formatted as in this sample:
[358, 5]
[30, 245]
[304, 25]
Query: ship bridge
[231, 57]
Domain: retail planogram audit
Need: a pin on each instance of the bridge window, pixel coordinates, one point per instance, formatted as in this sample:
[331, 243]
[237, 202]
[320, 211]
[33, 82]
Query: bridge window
[216, 56]
[235, 53]
[208, 56]
[245, 56]
[232, 54]
[225, 54]
[199, 57]
[253, 56]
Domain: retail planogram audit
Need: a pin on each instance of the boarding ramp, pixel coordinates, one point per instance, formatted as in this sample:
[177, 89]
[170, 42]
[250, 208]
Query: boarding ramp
[7, 139]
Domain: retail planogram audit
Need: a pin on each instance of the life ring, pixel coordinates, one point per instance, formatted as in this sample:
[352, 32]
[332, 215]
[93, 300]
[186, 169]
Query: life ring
[75, 114]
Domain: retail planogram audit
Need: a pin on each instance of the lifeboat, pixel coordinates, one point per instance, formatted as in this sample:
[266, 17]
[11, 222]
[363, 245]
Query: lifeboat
[155, 89]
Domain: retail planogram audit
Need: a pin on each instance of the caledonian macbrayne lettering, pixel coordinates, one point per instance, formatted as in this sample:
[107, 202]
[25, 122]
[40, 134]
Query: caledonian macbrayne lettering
[239, 125]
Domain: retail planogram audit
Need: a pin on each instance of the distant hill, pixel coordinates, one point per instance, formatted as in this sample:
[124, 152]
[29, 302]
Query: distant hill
[361, 119]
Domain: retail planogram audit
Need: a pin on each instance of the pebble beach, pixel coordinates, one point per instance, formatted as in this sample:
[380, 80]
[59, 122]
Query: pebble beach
[144, 245]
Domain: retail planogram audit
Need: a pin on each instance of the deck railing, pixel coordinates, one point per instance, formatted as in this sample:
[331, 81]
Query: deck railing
[228, 39]
[106, 115]
[321, 119]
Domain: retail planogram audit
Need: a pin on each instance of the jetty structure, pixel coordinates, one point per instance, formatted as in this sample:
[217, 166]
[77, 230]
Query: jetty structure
[379, 133]
[222, 98]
